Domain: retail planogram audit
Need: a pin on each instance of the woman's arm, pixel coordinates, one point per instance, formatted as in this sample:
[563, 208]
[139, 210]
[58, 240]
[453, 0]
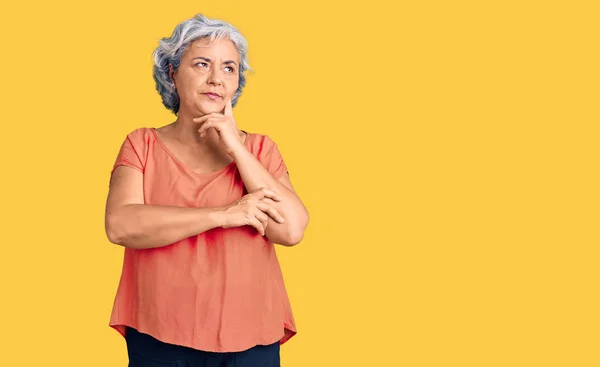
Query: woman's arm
[256, 176]
[131, 223]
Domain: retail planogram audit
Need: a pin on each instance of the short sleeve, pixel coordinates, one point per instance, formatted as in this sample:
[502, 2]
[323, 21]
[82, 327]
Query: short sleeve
[270, 156]
[132, 152]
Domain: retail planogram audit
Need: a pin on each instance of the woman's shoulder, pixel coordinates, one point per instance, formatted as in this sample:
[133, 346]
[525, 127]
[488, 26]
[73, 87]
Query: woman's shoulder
[258, 140]
[141, 131]
[140, 135]
[267, 152]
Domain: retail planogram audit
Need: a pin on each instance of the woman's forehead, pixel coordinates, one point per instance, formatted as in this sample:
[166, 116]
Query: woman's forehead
[222, 46]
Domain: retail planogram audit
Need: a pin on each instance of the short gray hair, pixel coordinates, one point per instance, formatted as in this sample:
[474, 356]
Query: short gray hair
[170, 50]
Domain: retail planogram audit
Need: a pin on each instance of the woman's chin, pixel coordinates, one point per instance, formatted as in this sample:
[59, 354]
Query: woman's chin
[206, 108]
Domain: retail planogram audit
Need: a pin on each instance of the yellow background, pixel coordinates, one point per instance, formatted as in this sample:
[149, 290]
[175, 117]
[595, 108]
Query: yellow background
[447, 152]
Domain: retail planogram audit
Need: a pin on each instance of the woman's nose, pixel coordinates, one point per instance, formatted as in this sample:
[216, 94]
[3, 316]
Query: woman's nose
[214, 77]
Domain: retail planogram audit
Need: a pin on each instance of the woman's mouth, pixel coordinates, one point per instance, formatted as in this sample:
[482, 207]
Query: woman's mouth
[213, 96]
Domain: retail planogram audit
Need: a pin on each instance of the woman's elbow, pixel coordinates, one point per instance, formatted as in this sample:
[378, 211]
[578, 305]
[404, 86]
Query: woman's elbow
[112, 235]
[113, 230]
[295, 234]
[295, 238]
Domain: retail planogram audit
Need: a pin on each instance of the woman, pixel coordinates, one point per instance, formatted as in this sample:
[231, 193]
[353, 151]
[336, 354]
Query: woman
[198, 205]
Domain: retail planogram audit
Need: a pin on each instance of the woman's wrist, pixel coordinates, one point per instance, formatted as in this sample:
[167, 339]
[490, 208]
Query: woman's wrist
[238, 151]
[217, 216]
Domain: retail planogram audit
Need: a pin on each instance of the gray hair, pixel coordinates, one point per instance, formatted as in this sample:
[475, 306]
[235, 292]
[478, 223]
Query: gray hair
[171, 49]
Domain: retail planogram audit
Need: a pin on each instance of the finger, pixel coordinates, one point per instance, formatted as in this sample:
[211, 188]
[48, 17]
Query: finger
[263, 218]
[268, 201]
[201, 118]
[260, 193]
[210, 123]
[274, 197]
[260, 215]
[270, 193]
[228, 108]
[258, 225]
[273, 213]
[202, 130]
[208, 115]
[207, 121]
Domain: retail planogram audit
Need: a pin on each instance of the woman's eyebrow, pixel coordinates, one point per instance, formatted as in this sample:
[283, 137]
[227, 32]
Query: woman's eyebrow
[209, 60]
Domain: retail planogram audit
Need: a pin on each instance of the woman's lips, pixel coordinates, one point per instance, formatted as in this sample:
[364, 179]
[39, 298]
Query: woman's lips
[212, 95]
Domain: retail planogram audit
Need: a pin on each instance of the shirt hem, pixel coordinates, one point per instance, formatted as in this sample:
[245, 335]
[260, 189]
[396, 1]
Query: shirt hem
[288, 332]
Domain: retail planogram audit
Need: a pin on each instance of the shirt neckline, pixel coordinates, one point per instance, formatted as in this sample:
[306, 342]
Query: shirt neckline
[185, 166]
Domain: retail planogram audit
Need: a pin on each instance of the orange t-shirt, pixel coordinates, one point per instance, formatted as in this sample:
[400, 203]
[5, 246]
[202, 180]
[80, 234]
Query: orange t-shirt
[221, 290]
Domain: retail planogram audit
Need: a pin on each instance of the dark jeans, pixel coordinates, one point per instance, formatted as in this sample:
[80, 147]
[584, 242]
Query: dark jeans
[146, 351]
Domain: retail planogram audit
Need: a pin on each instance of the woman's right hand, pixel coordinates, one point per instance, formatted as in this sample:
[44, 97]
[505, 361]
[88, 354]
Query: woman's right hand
[252, 210]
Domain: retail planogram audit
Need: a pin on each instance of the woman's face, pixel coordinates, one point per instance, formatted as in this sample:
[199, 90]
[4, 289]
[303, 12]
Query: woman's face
[207, 68]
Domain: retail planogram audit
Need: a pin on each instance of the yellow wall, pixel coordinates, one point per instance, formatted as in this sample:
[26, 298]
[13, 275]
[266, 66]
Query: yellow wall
[447, 152]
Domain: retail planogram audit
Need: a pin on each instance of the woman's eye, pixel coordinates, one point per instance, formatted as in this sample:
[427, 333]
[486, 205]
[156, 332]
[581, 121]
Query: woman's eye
[201, 63]
[231, 69]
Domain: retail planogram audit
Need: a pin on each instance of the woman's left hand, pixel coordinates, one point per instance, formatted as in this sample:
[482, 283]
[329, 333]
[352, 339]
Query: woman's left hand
[224, 125]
